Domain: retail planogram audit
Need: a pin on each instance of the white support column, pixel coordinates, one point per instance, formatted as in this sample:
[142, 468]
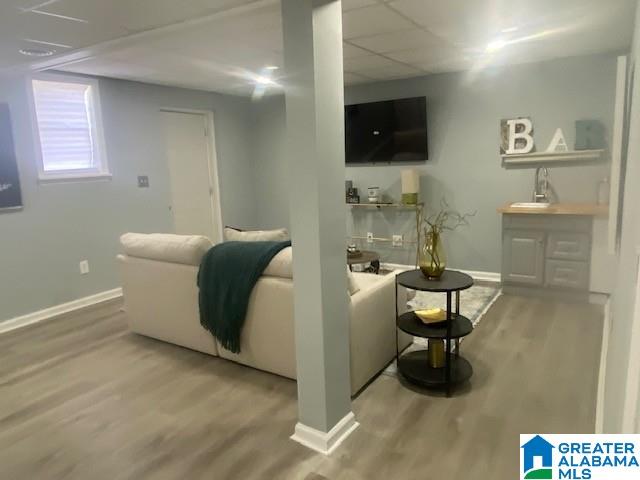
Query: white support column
[315, 150]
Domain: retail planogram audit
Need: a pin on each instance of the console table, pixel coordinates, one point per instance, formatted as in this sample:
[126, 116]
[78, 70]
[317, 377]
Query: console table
[414, 366]
[415, 209]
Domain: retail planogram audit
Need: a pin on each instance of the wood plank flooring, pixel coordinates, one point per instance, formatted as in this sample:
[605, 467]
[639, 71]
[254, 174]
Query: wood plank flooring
[81, 398]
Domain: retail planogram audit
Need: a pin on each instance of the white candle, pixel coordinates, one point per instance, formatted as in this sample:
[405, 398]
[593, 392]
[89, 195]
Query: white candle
[410, 180]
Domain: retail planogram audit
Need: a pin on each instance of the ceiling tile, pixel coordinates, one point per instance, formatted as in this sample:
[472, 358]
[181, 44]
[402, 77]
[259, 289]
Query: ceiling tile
[140, 14]
[350, 51]
[454, 20]
[475, 23]
[391, 72]
[372, 20]
[19, 26]
[457, 65]
[402, 40]
[222, 53]
[356, 64]
[354, 78]
[420, 55]
[351, 4]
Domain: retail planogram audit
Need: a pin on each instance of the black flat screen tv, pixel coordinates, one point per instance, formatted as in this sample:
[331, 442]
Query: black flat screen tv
[386, 132]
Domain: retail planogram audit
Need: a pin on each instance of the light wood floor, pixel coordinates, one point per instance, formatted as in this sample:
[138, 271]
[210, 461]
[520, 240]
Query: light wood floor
[80, 398]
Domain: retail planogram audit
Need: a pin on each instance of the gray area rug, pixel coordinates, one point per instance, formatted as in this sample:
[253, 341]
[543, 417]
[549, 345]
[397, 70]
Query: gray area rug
[474, 303]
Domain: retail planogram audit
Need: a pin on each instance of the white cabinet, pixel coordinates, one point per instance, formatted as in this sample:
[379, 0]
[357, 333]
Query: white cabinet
[523, 257]
[546, 251]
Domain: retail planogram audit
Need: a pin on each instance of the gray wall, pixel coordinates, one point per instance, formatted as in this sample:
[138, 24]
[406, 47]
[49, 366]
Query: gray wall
[624, 294]
[271, 170]
[63, 223]
[464, 165]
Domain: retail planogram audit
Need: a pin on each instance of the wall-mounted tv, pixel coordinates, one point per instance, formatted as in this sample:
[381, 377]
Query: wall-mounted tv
[386, 132]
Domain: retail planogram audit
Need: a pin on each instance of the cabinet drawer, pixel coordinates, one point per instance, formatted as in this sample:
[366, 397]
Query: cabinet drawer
[568, 246]
[568, 274]
[548, 223]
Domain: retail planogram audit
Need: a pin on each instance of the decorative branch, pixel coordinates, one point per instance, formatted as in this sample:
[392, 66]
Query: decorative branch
[447, 219]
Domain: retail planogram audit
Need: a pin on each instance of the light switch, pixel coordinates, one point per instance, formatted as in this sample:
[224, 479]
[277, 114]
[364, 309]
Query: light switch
[84, 267]
[143, 181]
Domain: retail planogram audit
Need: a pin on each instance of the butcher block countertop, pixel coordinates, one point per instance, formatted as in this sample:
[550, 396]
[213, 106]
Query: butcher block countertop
[586, 209]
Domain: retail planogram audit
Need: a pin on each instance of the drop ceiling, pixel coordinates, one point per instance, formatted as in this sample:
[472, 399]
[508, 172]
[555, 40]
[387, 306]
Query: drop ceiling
[222, 45]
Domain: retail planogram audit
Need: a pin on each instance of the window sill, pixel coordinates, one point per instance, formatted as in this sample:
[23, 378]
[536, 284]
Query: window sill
[85, 177]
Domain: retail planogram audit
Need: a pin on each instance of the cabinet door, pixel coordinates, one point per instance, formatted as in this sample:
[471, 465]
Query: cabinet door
[523, 257]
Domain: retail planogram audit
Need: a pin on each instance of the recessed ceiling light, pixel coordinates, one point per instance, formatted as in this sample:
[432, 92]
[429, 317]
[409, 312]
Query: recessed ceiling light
[496, 45]
[509, 30]
[262, 80]
[271, 67]
[36, 52]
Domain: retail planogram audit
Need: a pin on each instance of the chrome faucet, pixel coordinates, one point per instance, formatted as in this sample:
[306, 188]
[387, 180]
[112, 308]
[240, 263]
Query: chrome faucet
[541, 186]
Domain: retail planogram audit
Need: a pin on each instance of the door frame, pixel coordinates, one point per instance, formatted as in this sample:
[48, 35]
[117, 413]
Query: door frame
[630, 416]
[212, 161]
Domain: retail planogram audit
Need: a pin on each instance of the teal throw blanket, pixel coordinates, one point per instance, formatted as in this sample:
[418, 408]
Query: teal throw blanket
[227, 275]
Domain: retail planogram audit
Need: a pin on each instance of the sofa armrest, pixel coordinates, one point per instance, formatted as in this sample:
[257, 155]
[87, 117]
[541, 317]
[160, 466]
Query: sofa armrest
[166, 247]
[373, 329]
[368, 294]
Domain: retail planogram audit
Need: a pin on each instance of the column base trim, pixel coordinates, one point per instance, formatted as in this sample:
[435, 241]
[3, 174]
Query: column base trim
[325, 442]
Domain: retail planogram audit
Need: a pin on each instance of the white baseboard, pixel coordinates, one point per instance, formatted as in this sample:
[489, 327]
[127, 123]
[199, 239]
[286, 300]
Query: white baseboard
[57, 310]
[325, 442]
[493, 277]
[602, 373]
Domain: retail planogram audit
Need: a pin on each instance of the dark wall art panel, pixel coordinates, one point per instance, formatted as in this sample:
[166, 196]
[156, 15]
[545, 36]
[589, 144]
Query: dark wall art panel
[10, 196]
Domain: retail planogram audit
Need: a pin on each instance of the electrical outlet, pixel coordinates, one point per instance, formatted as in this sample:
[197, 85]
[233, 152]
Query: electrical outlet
[84, 267]
[396, 240]
[143, 181]
[369, 237]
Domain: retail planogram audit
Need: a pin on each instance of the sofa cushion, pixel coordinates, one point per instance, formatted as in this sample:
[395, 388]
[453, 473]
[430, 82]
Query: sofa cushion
[279, 235]
[166, 247]
[364, 280]
[281, 265]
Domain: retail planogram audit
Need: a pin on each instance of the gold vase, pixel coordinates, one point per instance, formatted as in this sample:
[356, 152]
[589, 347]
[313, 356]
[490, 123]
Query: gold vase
[432, 256]
[435, 353]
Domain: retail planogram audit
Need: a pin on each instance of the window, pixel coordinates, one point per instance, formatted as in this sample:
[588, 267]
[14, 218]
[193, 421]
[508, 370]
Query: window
[69, 133]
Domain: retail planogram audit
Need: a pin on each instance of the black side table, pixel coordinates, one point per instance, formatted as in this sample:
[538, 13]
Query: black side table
[364, 257]
[414, 366]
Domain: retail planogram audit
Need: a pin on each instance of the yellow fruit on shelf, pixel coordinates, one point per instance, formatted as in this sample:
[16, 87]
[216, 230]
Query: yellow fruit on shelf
[431, 315]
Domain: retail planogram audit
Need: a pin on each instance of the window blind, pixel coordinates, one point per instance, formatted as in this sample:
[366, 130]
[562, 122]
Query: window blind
[66, 126]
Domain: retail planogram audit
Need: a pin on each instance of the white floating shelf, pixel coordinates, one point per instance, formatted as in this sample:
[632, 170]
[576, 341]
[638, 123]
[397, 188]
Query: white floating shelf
[553, 157]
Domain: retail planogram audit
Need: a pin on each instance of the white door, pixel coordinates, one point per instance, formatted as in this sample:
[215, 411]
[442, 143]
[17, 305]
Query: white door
[190, 172]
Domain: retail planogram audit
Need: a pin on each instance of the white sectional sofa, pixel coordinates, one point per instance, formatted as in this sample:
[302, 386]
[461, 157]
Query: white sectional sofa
[161, 301]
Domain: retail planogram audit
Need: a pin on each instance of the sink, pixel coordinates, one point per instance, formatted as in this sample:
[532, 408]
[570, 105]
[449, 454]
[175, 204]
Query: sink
[530, 205]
